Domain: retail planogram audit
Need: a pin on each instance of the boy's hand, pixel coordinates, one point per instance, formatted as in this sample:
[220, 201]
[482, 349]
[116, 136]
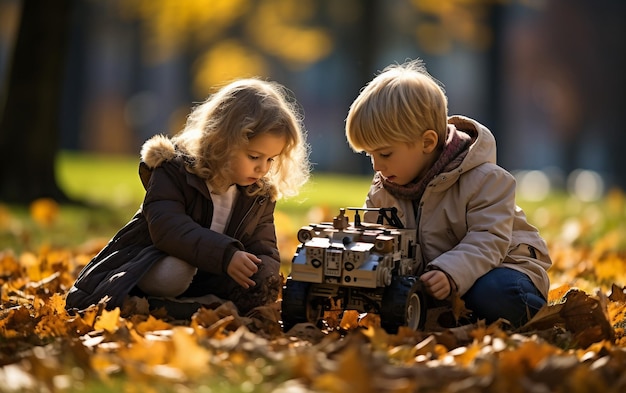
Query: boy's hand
[437, 284]
[242, 266]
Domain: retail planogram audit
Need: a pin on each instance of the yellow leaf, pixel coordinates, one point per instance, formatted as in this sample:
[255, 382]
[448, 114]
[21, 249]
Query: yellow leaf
[610, 268]
[9, 265]
[51, 326]
[103, 365]
[188, 355]
[379, 339]
[556, 294]
[151, 351]
[44, 211]
[517, 363]
[108, 320]
[152, 324]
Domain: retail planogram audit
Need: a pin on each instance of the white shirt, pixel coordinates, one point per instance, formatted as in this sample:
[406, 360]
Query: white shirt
[222, 207]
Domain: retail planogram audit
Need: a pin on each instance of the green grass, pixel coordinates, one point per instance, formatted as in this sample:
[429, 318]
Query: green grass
[100, 179]
[111, 186]
[113, 181]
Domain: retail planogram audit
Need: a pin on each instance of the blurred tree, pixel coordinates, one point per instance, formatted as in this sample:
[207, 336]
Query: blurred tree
[232, 38]
[475, 25]
[442, 24]
[29, 118]
[583, 57]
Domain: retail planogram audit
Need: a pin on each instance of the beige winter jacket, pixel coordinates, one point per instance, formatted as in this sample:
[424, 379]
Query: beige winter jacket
[468, 219]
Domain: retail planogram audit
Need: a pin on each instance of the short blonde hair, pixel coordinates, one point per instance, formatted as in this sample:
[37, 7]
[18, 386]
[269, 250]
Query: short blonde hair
[227, 120]
[398, 105]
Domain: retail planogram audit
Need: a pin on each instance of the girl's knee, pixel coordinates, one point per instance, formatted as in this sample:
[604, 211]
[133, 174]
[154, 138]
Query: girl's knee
[169, 277]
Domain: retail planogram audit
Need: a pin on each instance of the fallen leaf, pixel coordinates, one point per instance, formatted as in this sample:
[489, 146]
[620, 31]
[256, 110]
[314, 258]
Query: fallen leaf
[108, 320]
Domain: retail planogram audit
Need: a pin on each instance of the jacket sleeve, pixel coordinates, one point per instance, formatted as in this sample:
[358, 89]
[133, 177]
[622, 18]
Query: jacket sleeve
[174, 231]
[490, 211]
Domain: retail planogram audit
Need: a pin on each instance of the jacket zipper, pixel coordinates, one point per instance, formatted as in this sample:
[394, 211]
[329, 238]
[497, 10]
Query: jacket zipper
[205, 211]
[260, 200]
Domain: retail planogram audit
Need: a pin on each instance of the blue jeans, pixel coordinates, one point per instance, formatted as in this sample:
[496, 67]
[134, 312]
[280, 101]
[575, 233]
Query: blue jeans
[504, 293]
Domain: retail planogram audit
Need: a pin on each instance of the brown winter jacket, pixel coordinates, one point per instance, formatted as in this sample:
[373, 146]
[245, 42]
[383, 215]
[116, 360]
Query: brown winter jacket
[174, 219]
[467, 220]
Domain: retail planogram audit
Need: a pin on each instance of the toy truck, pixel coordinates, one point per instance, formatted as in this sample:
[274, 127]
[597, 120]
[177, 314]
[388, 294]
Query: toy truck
[371, 268]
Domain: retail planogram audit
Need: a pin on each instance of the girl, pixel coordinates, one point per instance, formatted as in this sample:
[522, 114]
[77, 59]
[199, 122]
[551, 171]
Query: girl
[206, 225]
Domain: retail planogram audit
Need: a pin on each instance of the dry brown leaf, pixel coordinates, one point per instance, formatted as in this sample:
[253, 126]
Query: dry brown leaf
[465, 356]
[265, 320]
[306, 332]
[586, 318]
[134, 305]
[517, 362]
[575, 343]
[349, 320]
[426, 347]
[618, 294]
[369, 320]
[457, 336]
[353, 374]
[17, 322]
[458, 307]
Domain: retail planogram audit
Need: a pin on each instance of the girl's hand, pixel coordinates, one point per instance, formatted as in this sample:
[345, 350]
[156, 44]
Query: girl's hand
[437, 284]
[242, 266]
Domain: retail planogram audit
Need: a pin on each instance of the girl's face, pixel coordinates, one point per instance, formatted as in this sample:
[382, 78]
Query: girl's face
[254, 160]
[400, 162]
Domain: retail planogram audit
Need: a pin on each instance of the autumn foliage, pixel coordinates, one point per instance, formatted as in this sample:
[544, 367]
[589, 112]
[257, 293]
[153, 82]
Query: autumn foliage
[575, 344]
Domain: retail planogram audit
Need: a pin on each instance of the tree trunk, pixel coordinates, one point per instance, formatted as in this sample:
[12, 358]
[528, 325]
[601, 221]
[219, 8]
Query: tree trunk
[29, 124]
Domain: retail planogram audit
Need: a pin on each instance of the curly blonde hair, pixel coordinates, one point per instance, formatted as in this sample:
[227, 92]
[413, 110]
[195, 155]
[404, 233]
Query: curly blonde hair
[228, 119]
[398, 105]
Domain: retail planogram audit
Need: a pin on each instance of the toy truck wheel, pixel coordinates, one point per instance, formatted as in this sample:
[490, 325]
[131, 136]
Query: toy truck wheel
[403, 304]
[295, 304]
[416, 307]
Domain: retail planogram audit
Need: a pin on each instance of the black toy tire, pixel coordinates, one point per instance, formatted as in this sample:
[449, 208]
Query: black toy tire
[295, 303]
[403, 304]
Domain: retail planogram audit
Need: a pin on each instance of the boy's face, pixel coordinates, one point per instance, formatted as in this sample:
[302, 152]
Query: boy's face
[400, 162]
[254, 160]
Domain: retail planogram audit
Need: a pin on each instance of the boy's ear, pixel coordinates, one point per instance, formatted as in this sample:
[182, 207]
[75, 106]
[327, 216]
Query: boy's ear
[429, 141]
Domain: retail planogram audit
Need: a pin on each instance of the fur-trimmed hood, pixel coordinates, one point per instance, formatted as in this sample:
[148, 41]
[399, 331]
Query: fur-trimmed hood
[157, 150]
[160, 148]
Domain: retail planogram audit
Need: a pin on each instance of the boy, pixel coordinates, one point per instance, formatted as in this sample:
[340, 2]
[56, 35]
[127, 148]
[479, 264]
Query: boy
[441, 175]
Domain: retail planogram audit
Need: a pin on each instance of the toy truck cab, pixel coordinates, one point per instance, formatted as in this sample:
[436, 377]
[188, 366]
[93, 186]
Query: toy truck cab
[366, 267]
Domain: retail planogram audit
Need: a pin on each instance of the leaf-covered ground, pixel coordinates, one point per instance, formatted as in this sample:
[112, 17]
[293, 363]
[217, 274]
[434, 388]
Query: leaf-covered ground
[575, 344]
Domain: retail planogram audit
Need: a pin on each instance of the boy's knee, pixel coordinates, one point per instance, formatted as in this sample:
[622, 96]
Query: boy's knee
[504, 294]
